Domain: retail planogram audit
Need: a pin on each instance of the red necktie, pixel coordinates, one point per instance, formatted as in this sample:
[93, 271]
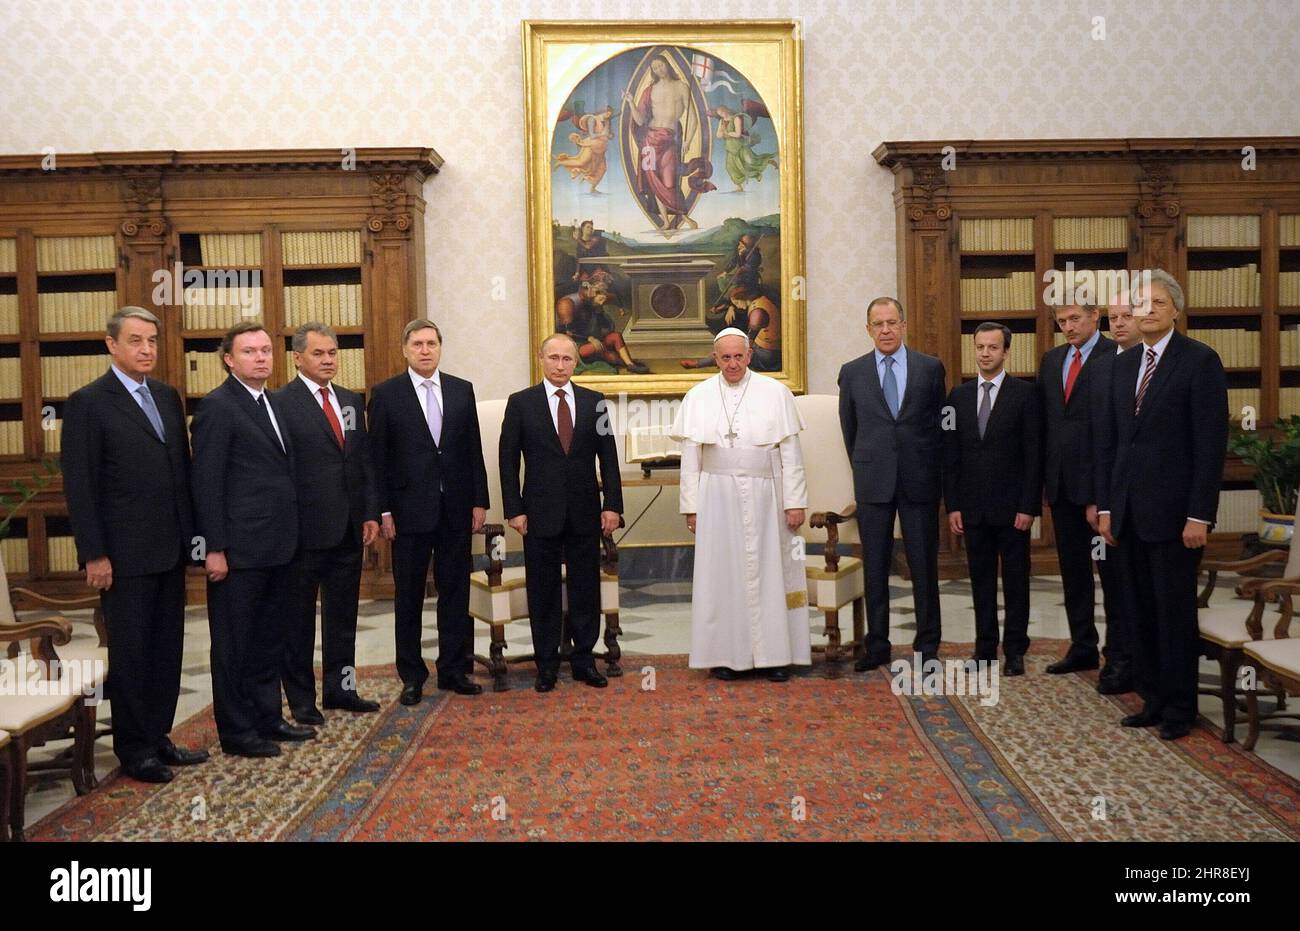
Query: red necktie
[331, 416]
[1073, 374]
[563, 422]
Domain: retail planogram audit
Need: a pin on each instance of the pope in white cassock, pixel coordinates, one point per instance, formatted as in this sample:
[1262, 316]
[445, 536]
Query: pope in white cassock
[743, 494]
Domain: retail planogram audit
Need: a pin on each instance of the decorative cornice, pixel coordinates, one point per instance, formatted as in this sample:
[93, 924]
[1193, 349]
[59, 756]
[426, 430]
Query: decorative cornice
[894, 155]
[423, 162]
[1154, 184]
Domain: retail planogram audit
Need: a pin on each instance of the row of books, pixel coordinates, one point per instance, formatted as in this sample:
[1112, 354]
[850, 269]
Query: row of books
[62, 554]
[14, 552]
[203, 371]
[75, 311]
[1289, 344]
[351, 369]
[11, 378]
[211, 310]
[1238, 511]
[1241, 398]
[54, 437]
[1021, 360]
[1224, 287]
[75, 253]
[1237, 348]
[1290, 230]
[62, 375]
[1208, 232]
[331, 247]
[1288, 289]
[1008, 292]
[8, 256]
[1004, 234]
[1090, 233]
[1288, 402]
[225, 249]
[9, 314]
[337, 305]
[11, 438]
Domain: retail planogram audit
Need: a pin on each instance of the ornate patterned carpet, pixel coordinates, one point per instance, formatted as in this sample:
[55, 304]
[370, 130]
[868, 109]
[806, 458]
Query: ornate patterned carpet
[697, 759]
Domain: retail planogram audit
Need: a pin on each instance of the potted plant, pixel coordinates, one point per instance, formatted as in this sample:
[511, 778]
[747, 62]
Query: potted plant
[1276, 462]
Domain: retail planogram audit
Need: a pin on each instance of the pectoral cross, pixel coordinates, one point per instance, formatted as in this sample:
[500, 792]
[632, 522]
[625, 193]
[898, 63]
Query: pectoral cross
[731, 437]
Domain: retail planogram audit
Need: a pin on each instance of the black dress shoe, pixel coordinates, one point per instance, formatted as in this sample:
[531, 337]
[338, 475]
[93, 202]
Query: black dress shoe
[1141, 719]
[253, 746]
[1174, 731]
[779, 674]
[283, 730]
[308, 716]
[1013, 666]
[351, 701]
[544, 683]
[149, 769]
[461, 685]
[725, 673]
[1074, 662]
[1115, 685]
[173, 755]
[411, 694]
[590, 677]
[866, 663]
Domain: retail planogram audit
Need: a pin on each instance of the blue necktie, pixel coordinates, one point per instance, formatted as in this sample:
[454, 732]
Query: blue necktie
[891, 387]
[151, 410]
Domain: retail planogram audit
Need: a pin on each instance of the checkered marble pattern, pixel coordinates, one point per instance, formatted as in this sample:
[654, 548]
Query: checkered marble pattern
[655, 618]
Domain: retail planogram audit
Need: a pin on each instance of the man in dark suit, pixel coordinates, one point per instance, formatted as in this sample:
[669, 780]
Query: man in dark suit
[993, 489]
[1161, 450]
[126, 462]
[1066, 379]
[1117, 675]
[246, 503]
[433, 495]
[561, 429]
[890, 408]
[338, 516]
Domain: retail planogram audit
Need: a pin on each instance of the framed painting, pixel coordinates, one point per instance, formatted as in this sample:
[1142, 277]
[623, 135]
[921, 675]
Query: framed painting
[665, 197]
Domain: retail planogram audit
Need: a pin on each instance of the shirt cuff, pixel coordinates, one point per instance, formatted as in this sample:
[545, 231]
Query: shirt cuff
[1197, 520]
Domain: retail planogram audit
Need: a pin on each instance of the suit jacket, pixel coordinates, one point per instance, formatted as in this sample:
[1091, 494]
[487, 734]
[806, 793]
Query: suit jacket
[1164, 465]
[423, 484]
[1068, 446]
[992, 479]
[557, 486]
[128, 492]
[893, 457]
[336, 487]
[245, 497]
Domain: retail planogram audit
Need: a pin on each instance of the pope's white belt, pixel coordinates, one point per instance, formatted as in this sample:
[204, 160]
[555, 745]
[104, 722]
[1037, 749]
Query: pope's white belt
[753, 461]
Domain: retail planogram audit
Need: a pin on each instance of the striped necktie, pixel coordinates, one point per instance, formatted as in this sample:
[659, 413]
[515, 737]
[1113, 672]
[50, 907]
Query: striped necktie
[1146, 379]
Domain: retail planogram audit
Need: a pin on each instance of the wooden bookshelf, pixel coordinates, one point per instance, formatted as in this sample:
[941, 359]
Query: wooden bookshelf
[79, 242]
[1092, 205]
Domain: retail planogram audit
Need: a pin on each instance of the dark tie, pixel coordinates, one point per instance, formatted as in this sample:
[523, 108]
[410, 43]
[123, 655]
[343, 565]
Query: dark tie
[891, 387]
[986, 407]
[1146, 379]
[266, 413]
[1073, 374]
[332, 417]
[563, 421]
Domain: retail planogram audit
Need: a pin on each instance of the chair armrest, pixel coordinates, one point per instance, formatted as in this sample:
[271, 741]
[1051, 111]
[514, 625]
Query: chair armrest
[59, 630]
[491, 534]
[62, 604]
[1252, 586]
[1281, 592]
[1245, 565]
[830, 520]
[609, 550]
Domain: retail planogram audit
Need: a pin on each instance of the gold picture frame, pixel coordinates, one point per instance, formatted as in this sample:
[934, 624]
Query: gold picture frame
[658, 209]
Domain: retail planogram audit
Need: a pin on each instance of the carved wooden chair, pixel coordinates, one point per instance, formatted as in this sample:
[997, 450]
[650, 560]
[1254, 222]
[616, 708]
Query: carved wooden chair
[498, 595]
[1277, 661]
[834, 581]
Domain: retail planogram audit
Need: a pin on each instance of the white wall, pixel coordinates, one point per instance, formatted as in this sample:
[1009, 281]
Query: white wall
[84, 75]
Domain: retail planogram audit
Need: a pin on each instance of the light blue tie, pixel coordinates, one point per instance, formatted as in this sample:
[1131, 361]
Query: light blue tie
[151, 410]
[891, 387]
[434, 414]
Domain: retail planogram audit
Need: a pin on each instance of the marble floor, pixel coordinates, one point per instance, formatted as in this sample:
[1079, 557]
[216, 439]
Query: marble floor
[655, 618]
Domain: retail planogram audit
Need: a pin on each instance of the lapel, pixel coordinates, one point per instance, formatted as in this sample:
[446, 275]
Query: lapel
[1085, 371]
[309, 404]
[873, 383]
[1052, 372]
[910, 388]
[1006, 397]
[251, 410]
[1164, 373]
[411, 401]
[544, 404]
[129, 406]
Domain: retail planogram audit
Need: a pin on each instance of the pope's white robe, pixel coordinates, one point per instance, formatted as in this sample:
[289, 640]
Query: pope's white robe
[749, 606]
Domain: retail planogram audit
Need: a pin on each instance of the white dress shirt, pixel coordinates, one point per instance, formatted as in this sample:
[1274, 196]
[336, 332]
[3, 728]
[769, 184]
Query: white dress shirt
[1160, 348]
[554, 403]
[256, 400]
[422, 393]
[315, 390]
[993, 393]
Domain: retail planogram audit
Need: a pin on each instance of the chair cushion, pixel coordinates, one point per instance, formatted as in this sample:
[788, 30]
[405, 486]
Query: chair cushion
[22, 713]
[833, 590]
[86, 654]
[4, 738]
[1225, 623]
[1281, 656]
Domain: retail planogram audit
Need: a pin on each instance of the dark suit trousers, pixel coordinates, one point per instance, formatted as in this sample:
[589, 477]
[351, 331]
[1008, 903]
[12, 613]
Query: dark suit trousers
[145, 617]
[1074, 539]
[985, 545]
[452, 562]
[920, 524]
[1119, 629]
[580, 555]
[1160, 579]
[336, 574]
[246, 615]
